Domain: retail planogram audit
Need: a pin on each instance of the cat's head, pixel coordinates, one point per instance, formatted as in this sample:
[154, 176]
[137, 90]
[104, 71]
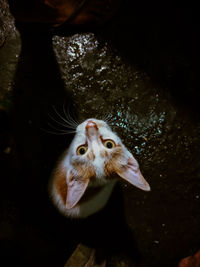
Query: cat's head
[95, 155]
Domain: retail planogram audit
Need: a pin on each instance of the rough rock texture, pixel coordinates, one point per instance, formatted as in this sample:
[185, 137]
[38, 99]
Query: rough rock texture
[83, 256]
[140, 73]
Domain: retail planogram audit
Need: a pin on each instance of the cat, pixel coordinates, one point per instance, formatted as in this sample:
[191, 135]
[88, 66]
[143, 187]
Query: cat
[86, 173]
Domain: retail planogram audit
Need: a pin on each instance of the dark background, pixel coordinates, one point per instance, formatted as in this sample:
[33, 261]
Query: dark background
[160, 39]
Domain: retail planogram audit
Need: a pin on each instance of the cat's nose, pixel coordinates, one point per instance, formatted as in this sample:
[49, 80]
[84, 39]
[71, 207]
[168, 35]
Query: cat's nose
[91, 124]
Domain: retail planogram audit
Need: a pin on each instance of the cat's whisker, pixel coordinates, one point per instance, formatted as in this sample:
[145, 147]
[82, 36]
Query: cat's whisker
[108, 119]
[69, 117]
[55, 133]
[61, 117]
[107, 116]
[111, 122]
[60, 123]
[104, 117]
[69, 132]
[76, 123]
[59, 130]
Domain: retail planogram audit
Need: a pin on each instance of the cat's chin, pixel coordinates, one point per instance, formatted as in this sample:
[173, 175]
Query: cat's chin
[100, 181]
[94, 200]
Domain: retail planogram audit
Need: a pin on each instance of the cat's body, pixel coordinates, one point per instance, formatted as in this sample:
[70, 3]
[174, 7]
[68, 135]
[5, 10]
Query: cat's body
[86, 174]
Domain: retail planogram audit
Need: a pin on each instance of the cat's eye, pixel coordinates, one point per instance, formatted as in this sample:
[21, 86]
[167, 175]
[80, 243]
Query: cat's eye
[109, 144]
[81, 150]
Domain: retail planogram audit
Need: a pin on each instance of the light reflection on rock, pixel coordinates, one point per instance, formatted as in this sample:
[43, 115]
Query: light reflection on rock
[102, 83]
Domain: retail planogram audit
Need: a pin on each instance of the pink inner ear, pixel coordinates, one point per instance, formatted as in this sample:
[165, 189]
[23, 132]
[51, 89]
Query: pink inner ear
[133, 175]
[75, 190]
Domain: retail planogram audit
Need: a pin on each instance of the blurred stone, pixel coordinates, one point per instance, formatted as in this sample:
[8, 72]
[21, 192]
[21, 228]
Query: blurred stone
[191, 261]
[56, 12]
[83, 256]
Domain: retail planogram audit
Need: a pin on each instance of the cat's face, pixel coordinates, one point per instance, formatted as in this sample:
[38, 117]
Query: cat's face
[94, 147]
[94, 156]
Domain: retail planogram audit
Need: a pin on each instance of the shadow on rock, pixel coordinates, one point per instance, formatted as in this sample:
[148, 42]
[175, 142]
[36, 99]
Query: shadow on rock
[41, 236]
[37, 88]
[108, 232]
[162, 42]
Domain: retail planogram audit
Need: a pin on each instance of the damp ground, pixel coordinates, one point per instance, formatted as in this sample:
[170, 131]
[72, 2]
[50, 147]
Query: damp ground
[141, 76]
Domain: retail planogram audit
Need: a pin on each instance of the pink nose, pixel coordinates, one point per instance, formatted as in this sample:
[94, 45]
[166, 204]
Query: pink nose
[91, 124]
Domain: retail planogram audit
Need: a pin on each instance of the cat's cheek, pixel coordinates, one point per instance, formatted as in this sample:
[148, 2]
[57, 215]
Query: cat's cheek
[60, 184]
[110, 168]
[104, 154]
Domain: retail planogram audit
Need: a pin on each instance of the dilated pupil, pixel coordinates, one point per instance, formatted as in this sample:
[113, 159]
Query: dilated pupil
[109, 145]
[82, 151]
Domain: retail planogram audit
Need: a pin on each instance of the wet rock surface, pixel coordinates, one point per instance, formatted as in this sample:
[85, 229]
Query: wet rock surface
[7, 26]
[149, 96]
[163, 137]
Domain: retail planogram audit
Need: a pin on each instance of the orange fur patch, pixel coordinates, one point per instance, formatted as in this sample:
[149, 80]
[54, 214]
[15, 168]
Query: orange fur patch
[113, 165]
[84, 171]
[60, 183]
[90, 155]
[104, 153]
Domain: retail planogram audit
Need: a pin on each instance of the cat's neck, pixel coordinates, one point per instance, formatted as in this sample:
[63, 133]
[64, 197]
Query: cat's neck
[93, 201]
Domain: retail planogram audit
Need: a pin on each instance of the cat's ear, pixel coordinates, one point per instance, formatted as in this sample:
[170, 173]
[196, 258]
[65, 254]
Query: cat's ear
[75, 190]
[131, 173]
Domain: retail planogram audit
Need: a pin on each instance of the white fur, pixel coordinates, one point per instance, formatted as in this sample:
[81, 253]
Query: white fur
[93, 139]
[87, 208]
